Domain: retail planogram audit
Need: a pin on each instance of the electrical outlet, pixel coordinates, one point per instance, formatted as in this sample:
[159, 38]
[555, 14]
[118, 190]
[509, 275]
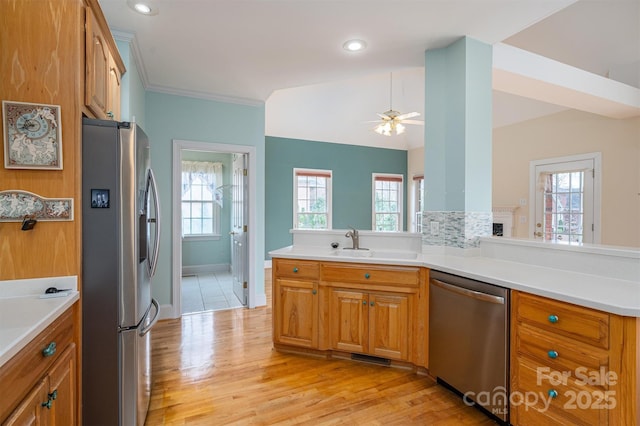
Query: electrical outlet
[435, 227]
[523, 201]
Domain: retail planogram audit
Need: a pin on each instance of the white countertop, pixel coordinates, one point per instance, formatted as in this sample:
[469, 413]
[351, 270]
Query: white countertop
[23, 314]
[613, 295]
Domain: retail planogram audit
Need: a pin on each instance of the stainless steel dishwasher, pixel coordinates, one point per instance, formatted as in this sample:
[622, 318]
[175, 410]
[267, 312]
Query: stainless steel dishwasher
[469, 340]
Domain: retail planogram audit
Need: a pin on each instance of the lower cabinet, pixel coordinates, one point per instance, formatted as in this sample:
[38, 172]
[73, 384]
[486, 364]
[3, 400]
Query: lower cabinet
[52, 400]
[571, 364]
[295, 316]
[39, 383]
[31, 410]
[353, 308]
[370, 323]
[61, 396]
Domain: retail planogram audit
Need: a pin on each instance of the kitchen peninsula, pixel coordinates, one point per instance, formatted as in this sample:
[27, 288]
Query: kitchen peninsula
[593, 290]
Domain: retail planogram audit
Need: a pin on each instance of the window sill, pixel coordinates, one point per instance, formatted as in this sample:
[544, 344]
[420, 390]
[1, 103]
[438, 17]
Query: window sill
[209, 237]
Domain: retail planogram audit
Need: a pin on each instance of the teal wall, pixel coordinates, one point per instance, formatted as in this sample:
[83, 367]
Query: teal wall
[352, 167]
[458, 129]
[171, 117]
[132, 93]
[218, 251]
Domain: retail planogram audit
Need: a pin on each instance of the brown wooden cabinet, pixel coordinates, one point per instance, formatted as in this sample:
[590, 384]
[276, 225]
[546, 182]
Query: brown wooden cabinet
[296, 316]
[31, 410]
[371, 323]
[42, 379]
[295, 301]
[103, 66]
[62, 389]
[574, 364]
[353, 308]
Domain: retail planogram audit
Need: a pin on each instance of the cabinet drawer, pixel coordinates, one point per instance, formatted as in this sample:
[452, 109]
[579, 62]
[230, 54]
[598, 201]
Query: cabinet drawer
[297, 269]
[574, 402]
[23, 370]
[371, 274]
[579, 323]
[559, 353]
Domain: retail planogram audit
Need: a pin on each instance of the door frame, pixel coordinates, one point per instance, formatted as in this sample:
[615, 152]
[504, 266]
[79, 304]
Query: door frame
[596, 157]
[176, 228]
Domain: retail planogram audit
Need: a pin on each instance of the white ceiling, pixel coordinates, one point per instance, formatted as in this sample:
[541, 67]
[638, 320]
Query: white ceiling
[288, 53]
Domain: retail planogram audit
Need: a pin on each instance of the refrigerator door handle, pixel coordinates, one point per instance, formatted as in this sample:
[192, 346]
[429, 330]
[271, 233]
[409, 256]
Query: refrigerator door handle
[146, 329]
[153, 261]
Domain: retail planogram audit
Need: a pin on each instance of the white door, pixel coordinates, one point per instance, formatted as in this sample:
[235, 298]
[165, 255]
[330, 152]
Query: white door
[238, 232]
[565, 200]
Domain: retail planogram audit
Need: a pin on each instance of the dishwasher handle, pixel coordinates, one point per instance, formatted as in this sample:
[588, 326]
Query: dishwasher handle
[469, 293]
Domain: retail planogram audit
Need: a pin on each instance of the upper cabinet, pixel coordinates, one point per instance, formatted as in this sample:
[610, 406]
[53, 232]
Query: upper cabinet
[103, 66]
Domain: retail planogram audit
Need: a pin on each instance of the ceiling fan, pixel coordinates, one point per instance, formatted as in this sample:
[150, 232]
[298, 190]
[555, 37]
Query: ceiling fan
[392, 120]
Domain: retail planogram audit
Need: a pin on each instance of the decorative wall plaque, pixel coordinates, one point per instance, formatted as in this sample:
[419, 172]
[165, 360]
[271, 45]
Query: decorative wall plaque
[15, 205]
[32, 136]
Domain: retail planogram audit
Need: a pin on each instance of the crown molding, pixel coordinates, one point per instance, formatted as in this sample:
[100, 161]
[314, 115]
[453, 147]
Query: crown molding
[136, 56]
[206, 96]
[130, 38]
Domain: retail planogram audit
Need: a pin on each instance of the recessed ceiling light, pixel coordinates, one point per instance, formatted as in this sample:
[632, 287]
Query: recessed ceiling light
[354, 45]
[145, 7]
[142, 8]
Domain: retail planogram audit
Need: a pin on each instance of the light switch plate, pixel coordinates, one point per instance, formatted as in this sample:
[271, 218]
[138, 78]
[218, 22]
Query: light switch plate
[435, 227]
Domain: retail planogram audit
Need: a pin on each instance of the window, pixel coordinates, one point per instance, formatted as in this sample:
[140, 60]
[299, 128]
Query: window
[387, 202]
[201, 200]
[311, 199]
[418, 202]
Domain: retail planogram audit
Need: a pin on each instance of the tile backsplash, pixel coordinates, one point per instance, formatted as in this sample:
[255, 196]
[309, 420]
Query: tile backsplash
[455, 228]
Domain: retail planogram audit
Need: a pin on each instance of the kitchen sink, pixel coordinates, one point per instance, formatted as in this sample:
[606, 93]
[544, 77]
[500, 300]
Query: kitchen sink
[378, 254]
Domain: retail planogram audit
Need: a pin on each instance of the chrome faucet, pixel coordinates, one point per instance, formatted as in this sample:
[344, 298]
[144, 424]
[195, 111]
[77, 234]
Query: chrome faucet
[355, 237]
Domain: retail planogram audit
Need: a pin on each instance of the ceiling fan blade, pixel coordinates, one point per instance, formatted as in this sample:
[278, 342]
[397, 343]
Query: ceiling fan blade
[418, 122]
[384, 116]
[408, 115]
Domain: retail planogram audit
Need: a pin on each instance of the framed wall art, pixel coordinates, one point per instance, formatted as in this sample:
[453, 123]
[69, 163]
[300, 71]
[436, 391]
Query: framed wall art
[32, 136]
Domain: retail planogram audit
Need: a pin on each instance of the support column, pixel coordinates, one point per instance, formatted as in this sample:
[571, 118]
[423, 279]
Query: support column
[458, 140]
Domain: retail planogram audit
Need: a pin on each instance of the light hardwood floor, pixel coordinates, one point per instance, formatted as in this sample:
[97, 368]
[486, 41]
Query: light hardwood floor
[219, 368]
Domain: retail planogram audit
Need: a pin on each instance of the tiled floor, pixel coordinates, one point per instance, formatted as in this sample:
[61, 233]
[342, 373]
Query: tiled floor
[208, 292]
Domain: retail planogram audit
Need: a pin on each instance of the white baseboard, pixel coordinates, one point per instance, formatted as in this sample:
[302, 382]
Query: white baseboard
[167, 312]
[261, 300]
[205, 269]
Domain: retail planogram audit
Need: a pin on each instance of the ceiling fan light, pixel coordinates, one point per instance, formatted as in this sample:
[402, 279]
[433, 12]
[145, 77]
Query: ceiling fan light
[399, 129]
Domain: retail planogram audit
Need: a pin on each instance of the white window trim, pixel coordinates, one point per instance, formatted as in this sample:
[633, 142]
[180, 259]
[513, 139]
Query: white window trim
[596, 157]
[415, 205]
[329, 194]
[400, 199]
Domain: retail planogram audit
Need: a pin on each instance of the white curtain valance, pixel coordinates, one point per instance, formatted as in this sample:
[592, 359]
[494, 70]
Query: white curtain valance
[208, 171]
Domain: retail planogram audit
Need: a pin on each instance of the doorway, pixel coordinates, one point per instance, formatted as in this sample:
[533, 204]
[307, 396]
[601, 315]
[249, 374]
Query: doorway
[211, 239]
[565, 195]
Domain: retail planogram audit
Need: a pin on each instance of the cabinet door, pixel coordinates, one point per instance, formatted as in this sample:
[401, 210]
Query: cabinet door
[349, 321]
[296, 313]
[389, 326]
[97, 65]
[62, 389]
[113, 105]
[31, 411]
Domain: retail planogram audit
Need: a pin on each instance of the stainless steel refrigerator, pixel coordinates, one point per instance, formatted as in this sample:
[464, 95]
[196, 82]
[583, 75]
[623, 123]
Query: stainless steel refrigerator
[120, 237]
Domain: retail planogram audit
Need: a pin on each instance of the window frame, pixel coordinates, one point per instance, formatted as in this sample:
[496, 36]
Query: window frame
[393, 177]
[418, 201]
[216, 210]
[328, 174]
